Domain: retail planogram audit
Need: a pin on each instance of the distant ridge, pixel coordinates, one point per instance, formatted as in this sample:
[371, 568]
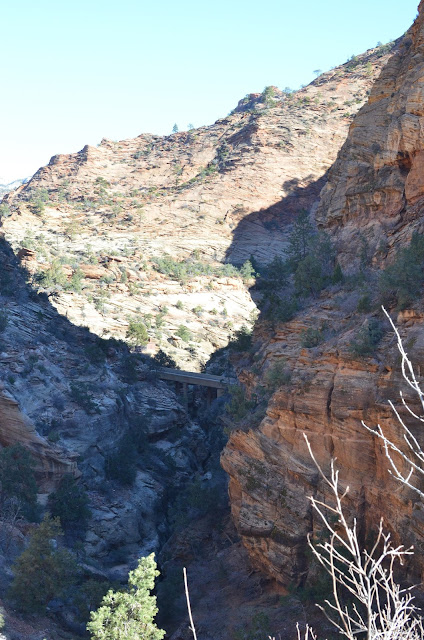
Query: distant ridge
[5, 187]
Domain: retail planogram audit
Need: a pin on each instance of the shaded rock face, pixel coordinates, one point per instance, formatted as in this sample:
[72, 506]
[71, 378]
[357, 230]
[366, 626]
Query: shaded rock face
[375, 187]
[212, 195]
[67, 398]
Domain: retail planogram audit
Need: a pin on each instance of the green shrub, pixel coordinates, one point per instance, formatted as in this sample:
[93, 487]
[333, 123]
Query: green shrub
[39, 197]
[315, 271]
[184, 269]
[308, 278]
[121, 465]
[257, 629]
[162, 359]
[54, 276]
[337, 277]
[102, 182]
[82, 396]
[309, 267]
[95, 353]
[184, 333]
[89, 596]
[5, 211]
[311, 337]
[277, 375]
[129, 368]
[160, 318]
[196, 500]
[401, 282]
[300, 239]
[198, 309]
[367, 338]
[247, 271]
[242, 339]
[137, 332]
[275, 274]
[43, 571]
[129, 614]
[279, 309]
[364, 303]
[75, 283]
[268, 96]
[239, 405]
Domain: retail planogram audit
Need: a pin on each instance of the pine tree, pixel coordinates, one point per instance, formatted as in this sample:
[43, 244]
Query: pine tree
[128, 615]
[300, 239]
[137, 332]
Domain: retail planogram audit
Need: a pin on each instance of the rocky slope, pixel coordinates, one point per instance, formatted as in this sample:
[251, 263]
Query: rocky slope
[123, 215]
[372, 199]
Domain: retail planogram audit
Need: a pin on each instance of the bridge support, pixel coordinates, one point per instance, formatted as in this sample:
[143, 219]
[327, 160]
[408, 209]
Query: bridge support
[181, 389]
[216, 385]
[210, 395]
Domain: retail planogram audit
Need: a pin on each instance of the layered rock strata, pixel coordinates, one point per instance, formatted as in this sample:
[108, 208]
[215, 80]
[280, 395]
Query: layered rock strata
[330, 392]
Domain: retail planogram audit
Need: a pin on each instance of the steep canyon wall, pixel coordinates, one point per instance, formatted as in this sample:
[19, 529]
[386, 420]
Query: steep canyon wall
[373, 197]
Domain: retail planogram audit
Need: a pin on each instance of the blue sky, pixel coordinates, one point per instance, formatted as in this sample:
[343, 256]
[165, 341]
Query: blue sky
[74, 72]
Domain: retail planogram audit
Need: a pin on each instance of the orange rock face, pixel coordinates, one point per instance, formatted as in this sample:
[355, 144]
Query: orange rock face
[376, 186]
[271, 473]
[52, 463]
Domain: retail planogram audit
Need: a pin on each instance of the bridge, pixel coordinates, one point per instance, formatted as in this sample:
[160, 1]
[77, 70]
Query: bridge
[184, 378]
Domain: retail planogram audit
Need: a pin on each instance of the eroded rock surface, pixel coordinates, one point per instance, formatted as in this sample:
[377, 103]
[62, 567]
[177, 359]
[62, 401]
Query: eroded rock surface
[330, 392]
[70, 398]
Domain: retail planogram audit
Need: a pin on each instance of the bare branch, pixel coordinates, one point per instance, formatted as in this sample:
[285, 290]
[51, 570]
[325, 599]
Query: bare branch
[413, 456]
[381, 608]
[188, 603]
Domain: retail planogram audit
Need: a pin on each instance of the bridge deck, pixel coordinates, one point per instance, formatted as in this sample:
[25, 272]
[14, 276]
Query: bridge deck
[192, 377]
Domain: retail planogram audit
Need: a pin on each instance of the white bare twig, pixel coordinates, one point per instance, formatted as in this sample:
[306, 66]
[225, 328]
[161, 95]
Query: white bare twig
[413, 455]
[188, 603]
[381, 609]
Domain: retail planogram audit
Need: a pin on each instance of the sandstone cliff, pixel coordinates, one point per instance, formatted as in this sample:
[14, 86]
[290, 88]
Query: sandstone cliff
[373, 198]
[375, 188]
[329, 393]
